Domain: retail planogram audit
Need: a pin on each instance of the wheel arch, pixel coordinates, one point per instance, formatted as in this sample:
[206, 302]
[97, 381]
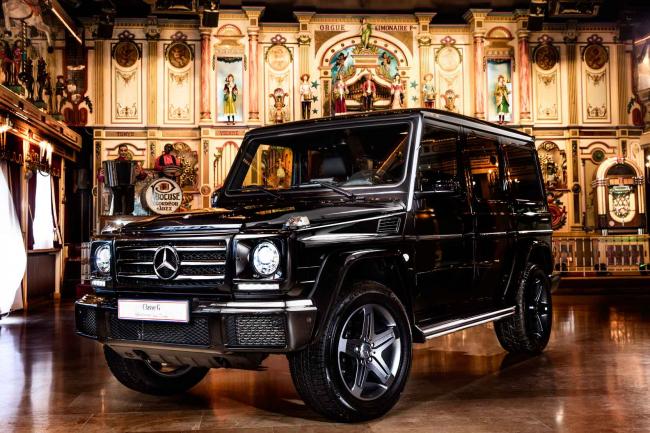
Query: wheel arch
[528, 251]
[385, 266]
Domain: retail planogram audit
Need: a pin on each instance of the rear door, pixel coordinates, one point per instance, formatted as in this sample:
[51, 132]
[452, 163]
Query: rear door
[493, 224]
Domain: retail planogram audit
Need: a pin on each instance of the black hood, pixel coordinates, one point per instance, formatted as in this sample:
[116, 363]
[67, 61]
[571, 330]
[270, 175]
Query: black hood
[265, 216]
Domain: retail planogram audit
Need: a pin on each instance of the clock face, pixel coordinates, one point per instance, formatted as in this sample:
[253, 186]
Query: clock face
[448, 58]
[546, 57]
[595, 56]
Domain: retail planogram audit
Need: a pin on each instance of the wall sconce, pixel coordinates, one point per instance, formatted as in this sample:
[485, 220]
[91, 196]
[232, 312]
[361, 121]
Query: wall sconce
[5, 153]
[40, 162]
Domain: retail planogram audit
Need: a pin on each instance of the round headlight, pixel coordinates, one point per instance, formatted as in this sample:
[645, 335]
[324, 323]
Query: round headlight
[266, 258]
[103, 259]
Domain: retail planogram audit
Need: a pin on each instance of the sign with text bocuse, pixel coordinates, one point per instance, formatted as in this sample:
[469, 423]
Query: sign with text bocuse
[163, 196]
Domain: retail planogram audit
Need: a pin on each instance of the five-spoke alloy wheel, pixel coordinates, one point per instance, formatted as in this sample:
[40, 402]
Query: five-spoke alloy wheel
[358, 367]
[369, 352]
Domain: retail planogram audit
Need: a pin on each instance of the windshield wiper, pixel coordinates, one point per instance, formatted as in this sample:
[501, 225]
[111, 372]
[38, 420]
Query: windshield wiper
[333, 187]
[262, 189]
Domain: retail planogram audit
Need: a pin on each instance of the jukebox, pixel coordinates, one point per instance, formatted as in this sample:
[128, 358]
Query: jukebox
[620, 194]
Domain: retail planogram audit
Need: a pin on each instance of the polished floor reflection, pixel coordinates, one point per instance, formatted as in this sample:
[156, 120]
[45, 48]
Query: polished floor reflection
[594, 377]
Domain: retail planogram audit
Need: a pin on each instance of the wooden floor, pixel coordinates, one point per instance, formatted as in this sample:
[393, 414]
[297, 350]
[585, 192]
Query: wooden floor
[594, 377]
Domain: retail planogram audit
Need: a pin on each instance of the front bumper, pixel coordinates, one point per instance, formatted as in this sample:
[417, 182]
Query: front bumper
[214, 329]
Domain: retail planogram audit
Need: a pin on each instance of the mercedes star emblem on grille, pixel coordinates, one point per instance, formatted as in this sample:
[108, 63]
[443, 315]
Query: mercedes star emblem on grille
[166, 262]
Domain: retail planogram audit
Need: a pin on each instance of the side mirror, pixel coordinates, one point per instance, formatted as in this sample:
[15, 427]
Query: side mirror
[214, 198]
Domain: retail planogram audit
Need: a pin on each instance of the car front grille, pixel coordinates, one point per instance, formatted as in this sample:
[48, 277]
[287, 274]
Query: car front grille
[195, 333]
[256, 330]
[202, 262]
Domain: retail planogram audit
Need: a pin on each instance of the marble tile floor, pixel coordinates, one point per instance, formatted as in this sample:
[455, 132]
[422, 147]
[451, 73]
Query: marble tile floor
[594, 377]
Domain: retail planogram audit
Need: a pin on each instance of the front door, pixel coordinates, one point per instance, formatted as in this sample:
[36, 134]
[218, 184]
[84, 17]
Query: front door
[442, 222]
[492, 216]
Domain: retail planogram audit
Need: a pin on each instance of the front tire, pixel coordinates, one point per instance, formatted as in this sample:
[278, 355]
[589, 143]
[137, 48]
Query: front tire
[529, 329]
[358, 367]
[152, 378]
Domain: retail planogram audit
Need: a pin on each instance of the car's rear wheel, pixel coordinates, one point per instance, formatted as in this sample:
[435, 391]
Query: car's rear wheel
[358, 367]
[529, 329]
[153, 377]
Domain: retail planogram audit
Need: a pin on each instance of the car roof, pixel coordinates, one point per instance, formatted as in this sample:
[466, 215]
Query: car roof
[442, 115]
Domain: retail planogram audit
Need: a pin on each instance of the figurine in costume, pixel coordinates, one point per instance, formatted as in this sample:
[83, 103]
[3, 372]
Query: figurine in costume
[397, 92]
[167, 164]
[229, 98]
[429, 92]
[369, 92]
[340, 93]
[305, 96]
[501, 93]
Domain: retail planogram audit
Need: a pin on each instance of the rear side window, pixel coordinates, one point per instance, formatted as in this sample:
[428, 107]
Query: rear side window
[522, 174]
[482, 160]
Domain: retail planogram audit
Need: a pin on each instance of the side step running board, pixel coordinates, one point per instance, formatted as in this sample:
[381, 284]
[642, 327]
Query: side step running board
[444, 328]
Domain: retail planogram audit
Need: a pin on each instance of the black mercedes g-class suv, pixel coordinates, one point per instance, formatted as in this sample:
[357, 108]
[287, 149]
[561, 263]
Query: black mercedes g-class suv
[339, 242]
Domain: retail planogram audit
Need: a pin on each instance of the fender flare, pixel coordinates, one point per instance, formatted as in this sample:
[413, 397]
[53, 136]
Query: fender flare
[525, 249]
[336, 269]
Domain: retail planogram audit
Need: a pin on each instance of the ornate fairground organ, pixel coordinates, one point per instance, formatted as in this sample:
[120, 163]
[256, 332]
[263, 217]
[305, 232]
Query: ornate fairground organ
[620, 192]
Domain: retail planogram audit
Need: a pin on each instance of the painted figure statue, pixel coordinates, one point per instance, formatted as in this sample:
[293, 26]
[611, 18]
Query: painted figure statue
[369, 92]
[450, 100]
[59, 90]
[429, 92]
[229, 98]
[6, 63]
[41, 76]
[366, 32]
[340, 93]
[306, 96]
[501, 93]
[279, 112]
[385, 65]
[26, 77]
[397, 93]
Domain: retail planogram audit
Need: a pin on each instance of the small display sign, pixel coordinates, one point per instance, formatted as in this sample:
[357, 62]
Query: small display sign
[163, 196]
[158, 311]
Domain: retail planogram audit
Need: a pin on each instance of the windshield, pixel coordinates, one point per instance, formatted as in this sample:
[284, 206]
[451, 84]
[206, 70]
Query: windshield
[345, 157]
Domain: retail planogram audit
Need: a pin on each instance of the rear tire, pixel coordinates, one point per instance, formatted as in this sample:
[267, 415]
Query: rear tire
[529, 329]
[358, 367]
[152, 378]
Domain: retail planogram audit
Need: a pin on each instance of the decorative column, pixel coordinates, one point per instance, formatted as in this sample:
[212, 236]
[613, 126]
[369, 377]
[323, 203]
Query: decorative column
[304, 41]
[152, 34]
[476, 20]
[572, 65]
[205, 74]
[99, 82]
[424, 40]
[623, 62]
[523, 67]
[253, 14]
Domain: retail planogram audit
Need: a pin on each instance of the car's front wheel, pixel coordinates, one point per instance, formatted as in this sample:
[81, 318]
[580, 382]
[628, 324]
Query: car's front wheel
[152, 377]
[358, 367]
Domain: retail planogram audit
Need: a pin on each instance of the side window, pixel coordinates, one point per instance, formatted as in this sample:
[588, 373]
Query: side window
[438, 162]
[522, 174]
[481, 158]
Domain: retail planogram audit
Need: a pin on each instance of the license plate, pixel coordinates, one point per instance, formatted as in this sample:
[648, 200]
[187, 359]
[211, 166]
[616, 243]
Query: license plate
[158, 311]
